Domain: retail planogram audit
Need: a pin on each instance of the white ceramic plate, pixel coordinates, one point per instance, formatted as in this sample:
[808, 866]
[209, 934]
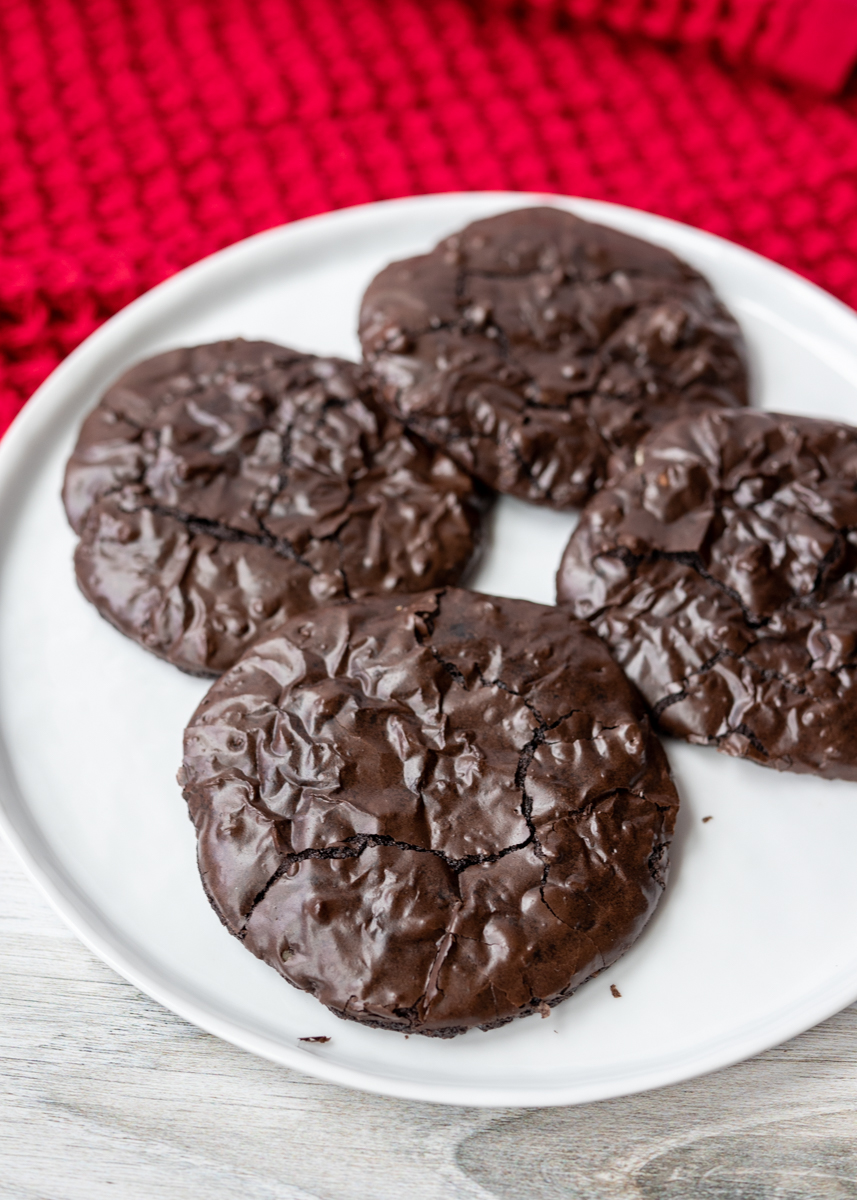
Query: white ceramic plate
[756, 938]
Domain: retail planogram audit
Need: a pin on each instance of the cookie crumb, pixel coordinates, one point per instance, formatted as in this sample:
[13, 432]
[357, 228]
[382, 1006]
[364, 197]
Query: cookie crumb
[544, 1009]
[705, 820]
[314, 1039]
[614, 991]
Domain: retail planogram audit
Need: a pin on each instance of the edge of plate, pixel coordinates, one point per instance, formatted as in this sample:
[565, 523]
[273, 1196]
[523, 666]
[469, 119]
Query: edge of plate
[22, 440]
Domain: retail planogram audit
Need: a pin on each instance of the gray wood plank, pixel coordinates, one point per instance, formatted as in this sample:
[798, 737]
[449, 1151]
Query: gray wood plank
[105, 1094]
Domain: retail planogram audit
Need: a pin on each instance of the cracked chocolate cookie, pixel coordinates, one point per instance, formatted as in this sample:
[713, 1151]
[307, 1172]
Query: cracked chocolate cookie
[722, 573]
[219, 490]
[431, 812]
[538, 349]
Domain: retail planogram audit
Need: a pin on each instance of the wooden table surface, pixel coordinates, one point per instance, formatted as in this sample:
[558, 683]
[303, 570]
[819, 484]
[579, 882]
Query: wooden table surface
[106, 1094]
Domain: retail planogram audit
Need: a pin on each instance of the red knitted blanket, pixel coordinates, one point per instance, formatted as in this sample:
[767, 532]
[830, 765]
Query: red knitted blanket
[139, 135]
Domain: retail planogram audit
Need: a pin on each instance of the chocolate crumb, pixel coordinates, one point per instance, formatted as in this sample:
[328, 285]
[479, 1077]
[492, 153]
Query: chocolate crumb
[314, 1039]
[705, 820]
[614, 991]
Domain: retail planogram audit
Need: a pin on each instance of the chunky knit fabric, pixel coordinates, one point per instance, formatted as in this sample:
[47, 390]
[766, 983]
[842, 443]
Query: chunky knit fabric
[804, 41]
[139, 135]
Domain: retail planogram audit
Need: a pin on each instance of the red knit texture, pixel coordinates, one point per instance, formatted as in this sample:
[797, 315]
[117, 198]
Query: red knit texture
[137, 136]
[812, 42]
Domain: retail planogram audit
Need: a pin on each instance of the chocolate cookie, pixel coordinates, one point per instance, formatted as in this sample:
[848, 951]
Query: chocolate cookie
[536, 347]
[430, 812]
[221, 489]
[722, 573]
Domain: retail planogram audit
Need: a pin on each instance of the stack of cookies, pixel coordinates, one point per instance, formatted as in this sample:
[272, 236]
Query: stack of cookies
[430, 808]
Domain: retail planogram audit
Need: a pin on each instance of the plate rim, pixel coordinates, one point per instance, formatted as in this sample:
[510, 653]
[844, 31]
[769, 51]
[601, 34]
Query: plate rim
[22, 440]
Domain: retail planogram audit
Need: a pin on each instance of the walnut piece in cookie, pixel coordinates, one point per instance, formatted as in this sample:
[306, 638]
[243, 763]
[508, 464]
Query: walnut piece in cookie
[431, 812]
[220, 489]
[722, 572]
[538, 349]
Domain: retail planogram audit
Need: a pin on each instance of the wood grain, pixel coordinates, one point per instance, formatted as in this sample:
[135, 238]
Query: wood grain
[105, 1094]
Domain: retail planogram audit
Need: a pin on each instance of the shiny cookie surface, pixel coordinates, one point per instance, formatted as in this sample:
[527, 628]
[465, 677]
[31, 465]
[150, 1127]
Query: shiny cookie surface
[431, 812]
[538, 349]
[722, 573]
[220, 489]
